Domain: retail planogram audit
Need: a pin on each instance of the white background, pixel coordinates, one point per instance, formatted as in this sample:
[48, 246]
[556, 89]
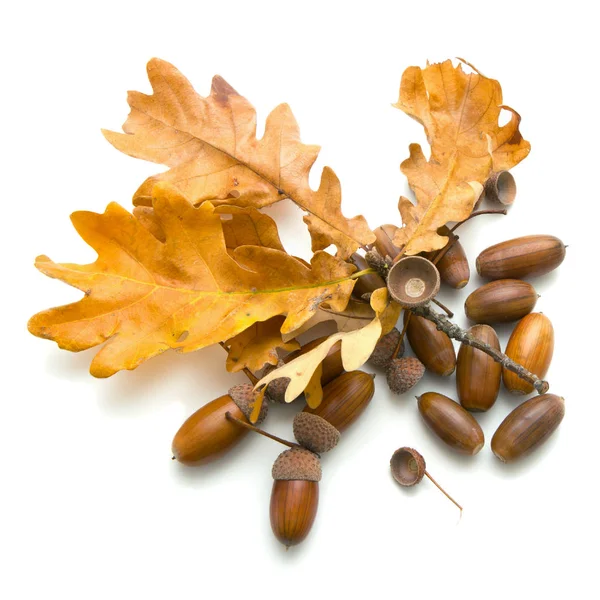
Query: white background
[93, 507]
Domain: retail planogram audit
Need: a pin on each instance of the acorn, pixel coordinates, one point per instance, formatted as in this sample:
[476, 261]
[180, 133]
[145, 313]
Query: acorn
[528, 426]
[366, 284]
[527, 256]
[432, 347]
[315, 433]
[384, 349]
[207, 434]
[453, 266]
[413, 281]
[404, 373]
[478, 375]
[295, 495]
[344, 399]
[332, 367]
[384, 241]
[531, 345]
[501, 301]
[451, 422]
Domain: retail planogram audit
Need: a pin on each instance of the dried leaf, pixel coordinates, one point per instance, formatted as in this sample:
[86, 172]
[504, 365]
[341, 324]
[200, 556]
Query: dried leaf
[211, 148]
[459, 112]
[143, 296]
[257, 346]
[356, 348]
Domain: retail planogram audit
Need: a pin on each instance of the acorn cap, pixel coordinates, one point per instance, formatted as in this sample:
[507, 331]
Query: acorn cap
[382, 354]
[404, 373]
[315, 433]
[408, 466]
[413, 281]
[276, 389]
[243, 395]
[501, 187]
[297, 464]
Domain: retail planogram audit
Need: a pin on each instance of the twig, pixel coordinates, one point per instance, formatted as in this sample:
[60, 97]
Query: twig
[443, 307]
[455, 332]
[241, 423]
[399, 344]
[439, 487]
[501, 211]
[453, 239]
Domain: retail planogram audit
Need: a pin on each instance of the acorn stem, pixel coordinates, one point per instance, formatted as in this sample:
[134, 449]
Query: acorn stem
[439, 487]
[241, 423]
[453, 239]
[402, 334]
[501, 211]
[249, 374]
[443, 307]
[455, 332]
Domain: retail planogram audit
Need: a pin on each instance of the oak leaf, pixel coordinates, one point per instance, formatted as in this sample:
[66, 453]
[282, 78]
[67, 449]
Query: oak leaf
[459, 112]
[211, 147]
[144, 296]
[257, 346]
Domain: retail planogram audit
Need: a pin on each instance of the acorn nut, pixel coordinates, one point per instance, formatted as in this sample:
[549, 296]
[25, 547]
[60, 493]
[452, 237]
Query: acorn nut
[501, 301]
[453, 266]
[384, 349]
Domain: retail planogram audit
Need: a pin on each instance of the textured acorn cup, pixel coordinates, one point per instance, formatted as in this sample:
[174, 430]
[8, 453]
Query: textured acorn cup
[207, 434]
[451, 423]
[413, 281]
[478, 375]
[531, 344]
[295, 495]
[528, 426]
[501, 301]
[404, 373]
[453, 266]
[432, 347]
[344, 399]
[501, 187]
[315, 433]
[408, 466]
[384, 349]
[527, 256]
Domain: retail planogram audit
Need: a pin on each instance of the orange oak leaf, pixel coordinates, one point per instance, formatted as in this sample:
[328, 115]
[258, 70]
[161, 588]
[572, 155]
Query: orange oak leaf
[257, 346]
[211, 147]
[144, 296]
[460, 113]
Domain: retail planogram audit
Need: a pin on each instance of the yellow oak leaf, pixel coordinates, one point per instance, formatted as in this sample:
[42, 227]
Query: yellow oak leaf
[144, 296]
[460, 113]
[257, 346]
[211, 147]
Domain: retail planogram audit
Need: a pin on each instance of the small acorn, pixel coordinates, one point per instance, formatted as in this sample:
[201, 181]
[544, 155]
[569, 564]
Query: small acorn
[384, 349]
[453, 266]
[344, 399]
[315, 433]
[384, 236]
[528, 426]
[404, 373]
[501, 301]
[531, 345]
[295, 495]
[451, 423]
[432, 347]
[527, 256]
[366, 284]
[207, 434]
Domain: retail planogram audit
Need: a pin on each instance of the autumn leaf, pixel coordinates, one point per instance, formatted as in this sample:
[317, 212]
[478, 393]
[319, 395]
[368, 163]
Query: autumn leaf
[356, 348]
[144, 296]
[211, 148]
[257, 346]
[460, 113]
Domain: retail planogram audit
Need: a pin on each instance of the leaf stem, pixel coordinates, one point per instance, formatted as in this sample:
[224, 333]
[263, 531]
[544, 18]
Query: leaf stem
[501, 211]
[241, 423]
[439, 487]
[358, 274]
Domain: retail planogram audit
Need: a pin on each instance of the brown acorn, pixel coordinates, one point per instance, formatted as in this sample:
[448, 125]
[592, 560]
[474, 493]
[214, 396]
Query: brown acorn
[315, 433]
[531, 344]
[384, 241]
[384, 349]
[478, 375]
[501, 301]
[453, 266]
[344, 399]
[451, 423]
[366, 284]
[404, 373]
[528, 426]
[527, 256]
[432, 347]
[207, 434]
[295, 495]
[332, 367]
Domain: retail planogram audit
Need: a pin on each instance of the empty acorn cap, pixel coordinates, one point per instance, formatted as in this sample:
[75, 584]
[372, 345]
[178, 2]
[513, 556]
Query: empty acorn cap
[297, 464]
[501, 187]
[413, 281]
[408, 466]
[243, 395]
[315, 433]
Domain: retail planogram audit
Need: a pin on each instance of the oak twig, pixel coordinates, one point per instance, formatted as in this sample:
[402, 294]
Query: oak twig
[501, 211]
[241, 423]
[455, 332]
